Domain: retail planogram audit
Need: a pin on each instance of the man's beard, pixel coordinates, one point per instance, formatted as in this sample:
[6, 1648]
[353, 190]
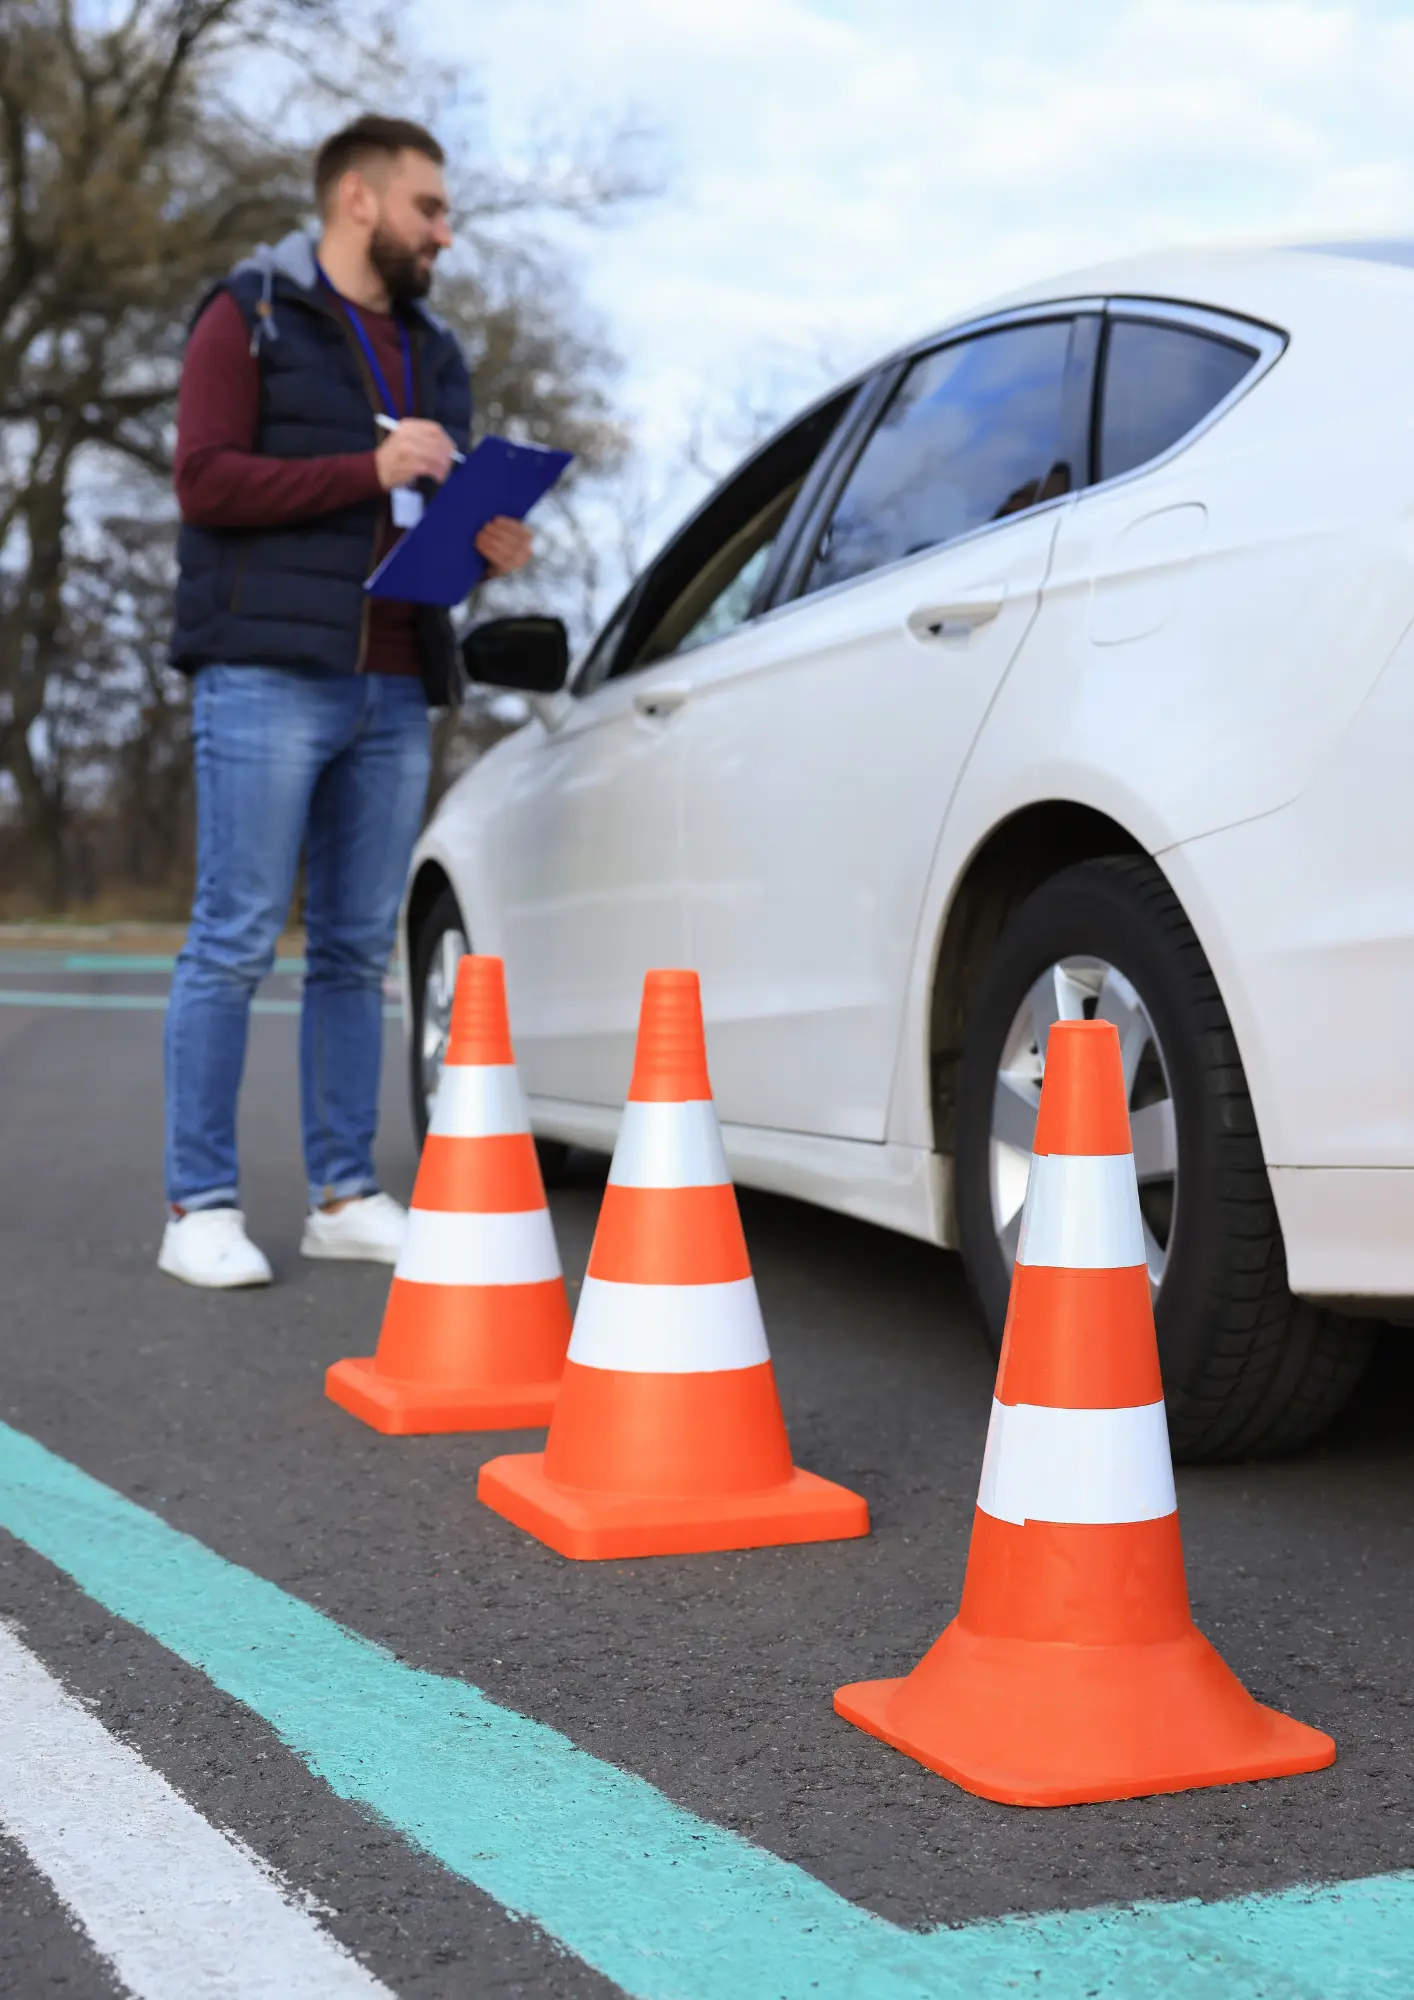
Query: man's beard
[399, 268]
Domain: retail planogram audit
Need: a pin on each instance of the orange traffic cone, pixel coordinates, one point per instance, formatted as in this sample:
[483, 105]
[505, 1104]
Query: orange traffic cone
[668, 1435]
[477, 1323]
[1073, 1669]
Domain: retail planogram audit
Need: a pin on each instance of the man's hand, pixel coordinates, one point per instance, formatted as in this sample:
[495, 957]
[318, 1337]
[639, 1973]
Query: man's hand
[415, 450]
[506, 545]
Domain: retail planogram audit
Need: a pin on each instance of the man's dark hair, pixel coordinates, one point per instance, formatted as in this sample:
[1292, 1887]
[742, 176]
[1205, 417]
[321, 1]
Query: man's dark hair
[369, 137]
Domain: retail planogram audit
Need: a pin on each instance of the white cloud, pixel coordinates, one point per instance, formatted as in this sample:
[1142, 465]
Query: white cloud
[848, 172]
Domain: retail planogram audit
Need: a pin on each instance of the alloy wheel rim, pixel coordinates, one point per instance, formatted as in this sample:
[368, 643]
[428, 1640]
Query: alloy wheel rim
[438, 991]
[1084, 989]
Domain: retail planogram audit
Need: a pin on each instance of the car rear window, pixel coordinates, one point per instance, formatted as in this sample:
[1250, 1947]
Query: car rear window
[1160, 381]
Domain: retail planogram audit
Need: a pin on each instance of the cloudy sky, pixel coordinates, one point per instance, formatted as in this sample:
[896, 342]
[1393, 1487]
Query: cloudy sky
[842, 173]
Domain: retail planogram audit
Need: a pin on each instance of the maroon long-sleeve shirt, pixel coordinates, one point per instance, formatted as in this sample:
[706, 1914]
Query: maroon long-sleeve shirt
[223, 482]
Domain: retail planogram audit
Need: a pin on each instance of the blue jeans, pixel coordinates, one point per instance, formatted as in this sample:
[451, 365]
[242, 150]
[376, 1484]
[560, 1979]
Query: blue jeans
[285, 760]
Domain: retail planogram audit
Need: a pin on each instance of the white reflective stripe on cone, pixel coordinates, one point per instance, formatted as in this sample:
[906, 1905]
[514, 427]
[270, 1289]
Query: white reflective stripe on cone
[1081, 1466]
[669, 1146]
[452, 1249]
[1082, 1212]
[668, 1329]
[478, 1101]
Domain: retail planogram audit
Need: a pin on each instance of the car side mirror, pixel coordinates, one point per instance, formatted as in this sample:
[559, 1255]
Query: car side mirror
[531, 655]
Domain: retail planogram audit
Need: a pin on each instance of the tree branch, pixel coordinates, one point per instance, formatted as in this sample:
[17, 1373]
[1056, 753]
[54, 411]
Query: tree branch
[24, 256]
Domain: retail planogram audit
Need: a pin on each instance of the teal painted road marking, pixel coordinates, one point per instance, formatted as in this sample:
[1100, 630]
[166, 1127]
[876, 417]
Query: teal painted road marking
[139, 1003]
[663, 1903]
[114, 962]
[105, 961]
[122, 1003]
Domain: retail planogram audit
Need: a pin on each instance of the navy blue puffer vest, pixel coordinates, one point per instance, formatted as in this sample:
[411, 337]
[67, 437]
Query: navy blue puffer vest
[294, 597]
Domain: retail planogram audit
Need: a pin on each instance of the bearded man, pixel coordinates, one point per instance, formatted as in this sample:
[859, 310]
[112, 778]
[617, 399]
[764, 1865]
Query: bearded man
[311, 698]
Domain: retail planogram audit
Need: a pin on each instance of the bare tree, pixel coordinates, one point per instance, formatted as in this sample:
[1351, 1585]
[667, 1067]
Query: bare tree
[119, 718]
[125, 187]
[142, 151]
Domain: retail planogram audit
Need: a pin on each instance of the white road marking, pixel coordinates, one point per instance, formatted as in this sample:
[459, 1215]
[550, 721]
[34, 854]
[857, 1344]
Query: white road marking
[180, 1910]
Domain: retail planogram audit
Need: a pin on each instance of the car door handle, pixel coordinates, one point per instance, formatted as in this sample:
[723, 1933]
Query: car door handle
[663, 700]
[959, 618]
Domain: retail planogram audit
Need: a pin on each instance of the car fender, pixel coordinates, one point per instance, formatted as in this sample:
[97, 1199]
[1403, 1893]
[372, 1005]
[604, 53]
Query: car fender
[982, 807]
[460, 840]
[1307, 916]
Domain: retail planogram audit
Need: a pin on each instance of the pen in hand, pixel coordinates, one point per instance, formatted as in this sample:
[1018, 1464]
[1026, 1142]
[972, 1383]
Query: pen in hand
[386, 423]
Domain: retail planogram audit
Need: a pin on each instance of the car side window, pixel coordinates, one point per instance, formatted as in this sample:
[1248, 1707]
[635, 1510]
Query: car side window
[711, 576]
[732, 604]
[1158, 381]
[972, 434]
[721, 595]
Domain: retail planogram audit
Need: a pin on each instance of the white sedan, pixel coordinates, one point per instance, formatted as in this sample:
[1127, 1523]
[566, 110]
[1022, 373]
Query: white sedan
[1060, 666]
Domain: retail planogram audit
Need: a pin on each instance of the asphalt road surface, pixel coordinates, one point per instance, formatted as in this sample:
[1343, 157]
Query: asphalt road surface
[708, 1676]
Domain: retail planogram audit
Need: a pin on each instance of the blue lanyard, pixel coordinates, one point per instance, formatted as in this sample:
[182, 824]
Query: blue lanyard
[374, 366]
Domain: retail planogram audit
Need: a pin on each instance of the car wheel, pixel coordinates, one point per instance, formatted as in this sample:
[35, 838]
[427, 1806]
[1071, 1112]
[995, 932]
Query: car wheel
[1248, 1369]
[438, 948]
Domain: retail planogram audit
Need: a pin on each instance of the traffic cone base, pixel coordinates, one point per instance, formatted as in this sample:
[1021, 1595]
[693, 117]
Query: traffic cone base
[711, 1469]
[1034, 1724]
[405, 1409]
[590, 1527]
[495, 1369]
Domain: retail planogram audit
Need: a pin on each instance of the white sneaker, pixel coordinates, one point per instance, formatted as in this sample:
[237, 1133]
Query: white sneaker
[369, 1231]
[210, 1247]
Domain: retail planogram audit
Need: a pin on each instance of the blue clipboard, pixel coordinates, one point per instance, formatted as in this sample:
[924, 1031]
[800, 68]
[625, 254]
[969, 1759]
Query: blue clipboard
[436, 562]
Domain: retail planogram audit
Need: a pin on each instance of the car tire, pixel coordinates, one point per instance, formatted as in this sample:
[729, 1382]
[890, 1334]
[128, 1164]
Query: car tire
[440, 941]
[1249, 1370]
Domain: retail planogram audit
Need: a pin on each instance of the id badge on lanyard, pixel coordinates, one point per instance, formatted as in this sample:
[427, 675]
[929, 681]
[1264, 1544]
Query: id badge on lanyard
[407, 506]
[407, 503]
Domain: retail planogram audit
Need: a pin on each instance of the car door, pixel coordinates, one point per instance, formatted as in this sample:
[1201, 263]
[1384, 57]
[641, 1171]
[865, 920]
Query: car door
[588, 862]
[822, 743]
[588, 877]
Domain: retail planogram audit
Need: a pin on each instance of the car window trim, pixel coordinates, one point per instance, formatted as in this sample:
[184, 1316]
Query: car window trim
[814, 510]
[1078, 404]
[796, 523]
[623, 610]
[1270, 343]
